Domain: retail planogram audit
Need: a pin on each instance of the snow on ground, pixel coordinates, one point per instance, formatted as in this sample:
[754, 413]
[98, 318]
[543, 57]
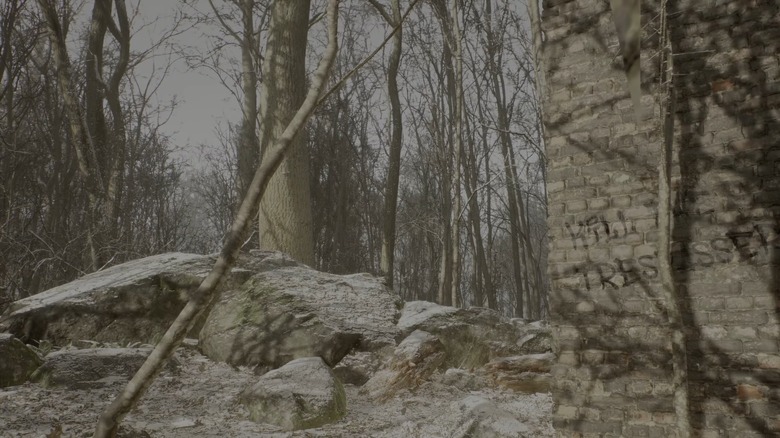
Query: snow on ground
[199, 399]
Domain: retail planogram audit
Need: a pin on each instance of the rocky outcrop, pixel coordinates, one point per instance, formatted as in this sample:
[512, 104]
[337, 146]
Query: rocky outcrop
[474, 336]
[132, 302]
[17, 361]
[413, 362]
[302, 394]
[294, 312]
[92, 367]
[358, 367]
[528, 373]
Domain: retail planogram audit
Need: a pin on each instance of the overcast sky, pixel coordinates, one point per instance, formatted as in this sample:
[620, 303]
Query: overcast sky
[203, 101]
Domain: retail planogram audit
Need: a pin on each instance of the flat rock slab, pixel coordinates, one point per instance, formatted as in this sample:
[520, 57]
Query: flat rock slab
[92, 367]
[300, 395]
[131, 302]
[17, 361]
[294, 312]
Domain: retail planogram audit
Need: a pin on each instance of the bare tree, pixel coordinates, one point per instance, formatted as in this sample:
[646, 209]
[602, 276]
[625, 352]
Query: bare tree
[393, 18]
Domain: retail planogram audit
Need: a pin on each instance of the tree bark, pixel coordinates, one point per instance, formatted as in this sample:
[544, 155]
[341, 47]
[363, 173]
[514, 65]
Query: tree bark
[394, 165]
[207, 291]
[285, 221]
[248, 146]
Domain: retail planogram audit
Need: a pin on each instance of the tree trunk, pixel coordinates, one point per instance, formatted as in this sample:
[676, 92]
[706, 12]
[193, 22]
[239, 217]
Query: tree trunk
[396, 137]
[83, 145]
[285, 221]
[509, 174]
[248, 147]
[457, 49]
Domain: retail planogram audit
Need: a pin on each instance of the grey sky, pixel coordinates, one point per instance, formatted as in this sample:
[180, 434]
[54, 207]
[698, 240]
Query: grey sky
[203, 101]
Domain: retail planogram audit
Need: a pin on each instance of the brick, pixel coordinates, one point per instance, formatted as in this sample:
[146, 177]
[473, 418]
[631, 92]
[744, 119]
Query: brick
[640, 212]
[621, 201]
[567, 412]
[768, 361]
[622, 252]
[556, 186]
[598, 203]
[738, 317]
[747, 392]
[576, 206]
[739, 303]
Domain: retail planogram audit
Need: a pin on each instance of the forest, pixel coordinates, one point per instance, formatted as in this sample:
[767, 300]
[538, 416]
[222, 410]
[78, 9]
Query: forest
[424, 164]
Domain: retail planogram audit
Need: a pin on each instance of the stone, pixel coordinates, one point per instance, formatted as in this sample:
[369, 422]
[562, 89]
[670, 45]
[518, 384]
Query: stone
[463, 380]
[474, 336]
[132, 302]
[358, 367]
[477, 417]
[294, 312]
[526, 374]
[17, 361]
[302, 394]
[414, 361]
[92, 367]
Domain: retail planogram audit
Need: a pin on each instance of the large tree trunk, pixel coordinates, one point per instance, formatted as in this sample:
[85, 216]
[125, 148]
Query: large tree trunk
[207, 291]
[285, 221]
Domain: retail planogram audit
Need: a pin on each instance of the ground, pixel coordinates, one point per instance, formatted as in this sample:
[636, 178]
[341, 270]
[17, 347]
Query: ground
[199, 399]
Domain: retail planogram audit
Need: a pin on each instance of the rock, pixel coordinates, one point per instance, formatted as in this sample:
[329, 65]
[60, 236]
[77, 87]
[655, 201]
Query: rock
[294, 312]
[474, 336]
[476, 417]
[132, 302]
[17, 361]
[302, 394]
[92, 367]
[414, 361]
[463, 380]
[359, 366]
[483, 419]
[528, 373]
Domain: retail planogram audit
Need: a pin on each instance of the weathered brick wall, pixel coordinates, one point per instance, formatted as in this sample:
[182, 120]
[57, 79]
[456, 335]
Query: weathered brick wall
[613, 374]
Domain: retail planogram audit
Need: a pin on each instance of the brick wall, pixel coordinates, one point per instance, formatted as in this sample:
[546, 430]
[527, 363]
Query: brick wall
[612, 376]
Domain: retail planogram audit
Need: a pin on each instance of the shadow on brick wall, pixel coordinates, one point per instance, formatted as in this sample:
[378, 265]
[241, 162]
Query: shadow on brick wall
[728, 86]
[610, 319]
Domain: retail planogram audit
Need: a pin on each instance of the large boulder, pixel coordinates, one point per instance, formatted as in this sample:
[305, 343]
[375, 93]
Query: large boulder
[17, 361]
[92, 367]
[302, 394]
[294, 312]
[127, 303]
[132, 302]
[474, 336]
[415, 359]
